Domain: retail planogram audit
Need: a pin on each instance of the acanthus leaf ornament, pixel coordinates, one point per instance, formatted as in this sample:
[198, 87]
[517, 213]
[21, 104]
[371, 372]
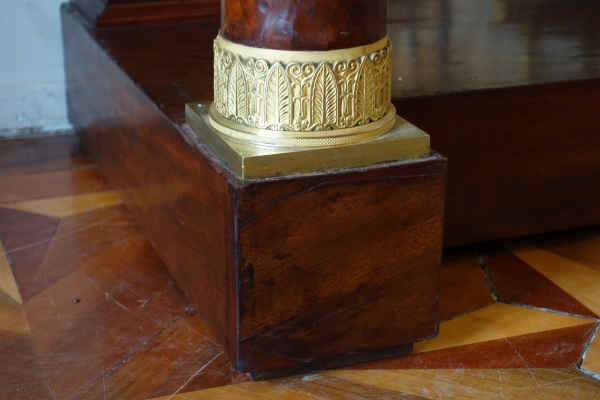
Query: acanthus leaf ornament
[287, 98]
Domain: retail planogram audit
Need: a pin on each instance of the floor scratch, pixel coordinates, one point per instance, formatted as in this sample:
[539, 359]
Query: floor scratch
[196, 374]
[46, 282]
[526, 366]
[50, 390]
[109, 297]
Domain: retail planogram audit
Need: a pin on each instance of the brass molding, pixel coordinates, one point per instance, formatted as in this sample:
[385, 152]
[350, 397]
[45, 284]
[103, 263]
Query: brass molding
[302, 98]
[302, 138]
[251, 161]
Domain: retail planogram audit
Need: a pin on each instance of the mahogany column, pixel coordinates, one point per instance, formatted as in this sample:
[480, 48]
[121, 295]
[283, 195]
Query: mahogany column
[303, 25]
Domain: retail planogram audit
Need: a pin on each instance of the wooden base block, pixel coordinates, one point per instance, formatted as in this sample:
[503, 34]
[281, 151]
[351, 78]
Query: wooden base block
[337, 263]
[289, 273]
[333, 362]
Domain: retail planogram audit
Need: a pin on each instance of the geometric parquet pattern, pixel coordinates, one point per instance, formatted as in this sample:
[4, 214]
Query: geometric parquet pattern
[519, 317]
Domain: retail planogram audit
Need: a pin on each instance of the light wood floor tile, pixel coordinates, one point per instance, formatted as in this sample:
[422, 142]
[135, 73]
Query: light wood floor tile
[68, 205]
[581, 245]
[7, 279]
[581, 282]
[494, 322]
[319, 386]
[13, 320]
[478, 384]
[51, 184]
[592, 357]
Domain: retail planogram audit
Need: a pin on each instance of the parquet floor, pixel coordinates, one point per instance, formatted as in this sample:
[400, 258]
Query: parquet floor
[88, 310]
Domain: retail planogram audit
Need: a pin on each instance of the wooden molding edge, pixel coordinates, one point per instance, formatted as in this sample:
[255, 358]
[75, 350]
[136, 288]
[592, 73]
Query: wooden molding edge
[111, 13]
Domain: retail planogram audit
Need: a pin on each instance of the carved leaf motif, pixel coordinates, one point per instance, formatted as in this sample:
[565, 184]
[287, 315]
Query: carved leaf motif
[365, 91]
[324, 96]
[278, 97]
[302, 97]
[387, 84]
[236, 91]
[220, 89]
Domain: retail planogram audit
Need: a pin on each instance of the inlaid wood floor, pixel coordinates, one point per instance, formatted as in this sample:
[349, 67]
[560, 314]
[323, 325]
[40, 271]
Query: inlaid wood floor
[88, 310]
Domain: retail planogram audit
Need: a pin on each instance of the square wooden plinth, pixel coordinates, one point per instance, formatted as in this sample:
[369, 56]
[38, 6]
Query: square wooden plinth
[341, 263]
[294, 273]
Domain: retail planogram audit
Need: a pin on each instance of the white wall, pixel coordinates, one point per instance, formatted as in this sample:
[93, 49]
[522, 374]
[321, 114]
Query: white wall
[32, 82]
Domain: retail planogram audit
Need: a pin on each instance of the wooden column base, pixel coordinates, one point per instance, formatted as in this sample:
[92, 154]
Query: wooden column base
[289, 273]
[333, 266]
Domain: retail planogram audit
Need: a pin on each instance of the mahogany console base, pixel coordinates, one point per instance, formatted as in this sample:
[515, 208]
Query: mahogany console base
[290, 273]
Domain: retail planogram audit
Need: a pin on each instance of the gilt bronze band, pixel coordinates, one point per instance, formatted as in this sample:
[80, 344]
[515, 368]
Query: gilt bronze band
[302, 98]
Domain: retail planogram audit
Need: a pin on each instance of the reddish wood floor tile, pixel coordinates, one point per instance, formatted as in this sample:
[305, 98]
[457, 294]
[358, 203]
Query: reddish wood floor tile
[60, 164]
[127, 297]
[181, 359]
[517, 282]
[21, 376]
[580, 281]
[78, 239]
[38, 154]
[463, 286]
[26, 237]
[51, 184]
[559, 348]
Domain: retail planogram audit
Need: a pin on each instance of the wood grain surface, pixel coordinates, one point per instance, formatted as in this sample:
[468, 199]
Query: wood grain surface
[557, 348]
[297, 269]
[112, 13]
[322, 267]
[182, 187]
[512, 107]
[516, 282]
[464, 286]
[132, 333]
[298, 25]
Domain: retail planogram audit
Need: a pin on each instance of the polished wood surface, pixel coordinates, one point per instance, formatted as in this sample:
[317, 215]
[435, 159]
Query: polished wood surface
[581, 284]
[64, 206]
[331, 255]
[523, 158]
[524, 351]
[132, 334]
[112, 13]
[531, 286]
[444, 47]
[462, 270]
[275, 24]
[182, 187]
[19, 187]
[302, 25]
[508, 91]
[286, 263]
